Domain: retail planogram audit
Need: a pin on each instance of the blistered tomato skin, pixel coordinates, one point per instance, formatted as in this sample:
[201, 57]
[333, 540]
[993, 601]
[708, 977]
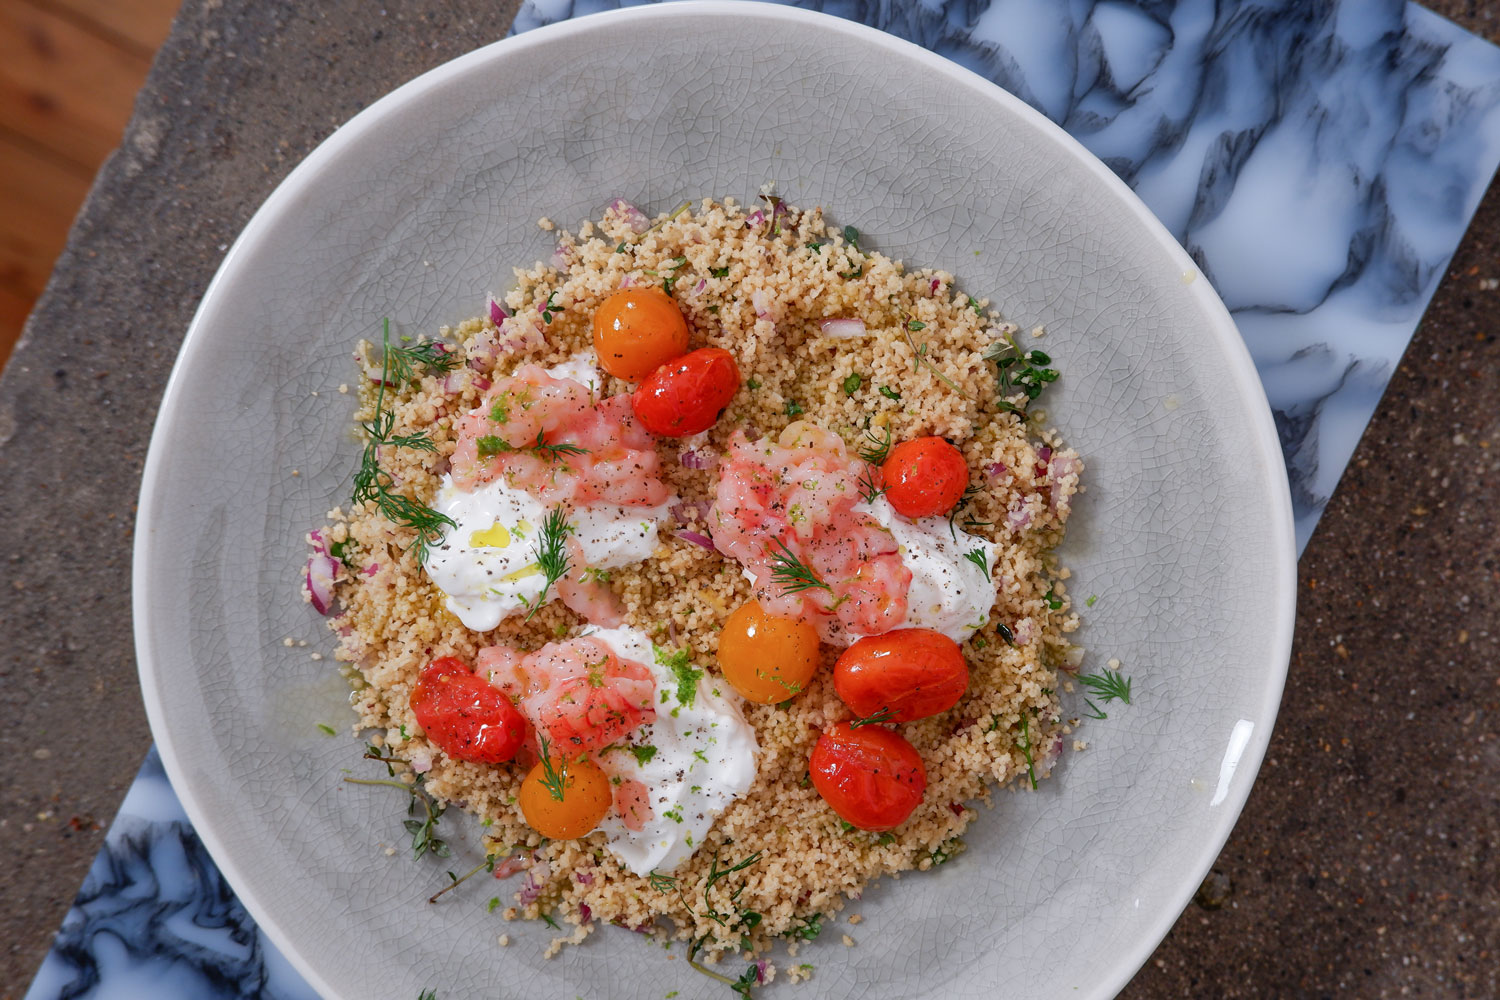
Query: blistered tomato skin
[638, 329]
[912, 672]
[765, 657]
[586, 799]
[686, 395]
[872, 777]
[466, 717]
[925, 477]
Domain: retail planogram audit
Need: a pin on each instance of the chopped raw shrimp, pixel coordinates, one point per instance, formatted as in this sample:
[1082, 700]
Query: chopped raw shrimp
[633, 803]
[589, 453]
[578, 693]
[802, 493]
[589, 597]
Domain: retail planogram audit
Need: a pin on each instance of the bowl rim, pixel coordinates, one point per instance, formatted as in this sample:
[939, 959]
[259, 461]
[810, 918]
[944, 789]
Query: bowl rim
[1222, 330]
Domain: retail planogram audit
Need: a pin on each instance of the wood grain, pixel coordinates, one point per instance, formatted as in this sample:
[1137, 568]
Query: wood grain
[138, 24]
[38, 197]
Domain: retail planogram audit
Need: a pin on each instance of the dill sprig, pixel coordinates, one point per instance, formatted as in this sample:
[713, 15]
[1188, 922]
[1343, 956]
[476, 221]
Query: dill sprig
[372, 483]
[407, 364]
[660, 882]
[1026, 749]
[1107, 687]
[869, 492]
[491, 445]
[879, 448]
[551, 555]
[1023, 372]
[970, 492]
[884, 715]
[977, 557]
[792, 573]
[554, 779]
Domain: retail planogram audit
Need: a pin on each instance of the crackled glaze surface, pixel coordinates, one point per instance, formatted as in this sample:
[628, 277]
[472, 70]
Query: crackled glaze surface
[1145, 399]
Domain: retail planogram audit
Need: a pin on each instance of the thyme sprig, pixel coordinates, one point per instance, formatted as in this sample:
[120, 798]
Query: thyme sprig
[374, 484]
[424, 840]
[1021, 372]
[488, 864]
[884, 715]
[551, 555]
[919, 358]
[1107, 687]
[792, 573]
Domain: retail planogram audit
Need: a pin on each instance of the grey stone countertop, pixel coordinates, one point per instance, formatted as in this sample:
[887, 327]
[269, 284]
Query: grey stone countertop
[1367, 862]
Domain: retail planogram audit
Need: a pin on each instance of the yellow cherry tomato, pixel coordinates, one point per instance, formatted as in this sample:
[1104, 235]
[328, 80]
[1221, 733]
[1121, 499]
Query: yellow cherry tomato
[765, 657]
[586, 797]
[638, 329]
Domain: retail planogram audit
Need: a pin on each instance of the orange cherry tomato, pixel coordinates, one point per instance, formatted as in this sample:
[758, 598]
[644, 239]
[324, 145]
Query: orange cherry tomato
[637, 329]
[765, 657]
[871, 776]
[686, 395]
[586, 797]
[464, 715]
[925, 477]
[910, 673]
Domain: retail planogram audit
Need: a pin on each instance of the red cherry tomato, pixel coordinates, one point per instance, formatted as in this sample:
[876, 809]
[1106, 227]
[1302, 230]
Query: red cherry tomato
[686, 396]
[872, 777]
[912, 672]
[925, 477]
[464, 715]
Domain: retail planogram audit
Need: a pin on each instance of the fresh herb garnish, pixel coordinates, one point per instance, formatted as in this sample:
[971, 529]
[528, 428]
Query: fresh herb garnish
[889, 393]
[1053, 601]
[884, 715]
[374, 484]
[851, 236]
[752, 384]
[551, 553]
[811, 927]
[554, 779]
[914, 325]
[793, 408]
[970, 492]
[719, 272]
[427, 995]
[793, 574]
[852, 383]
[1020, 371]
[869, 492]
[973, 304]
[548, 308]
[488, 864]
[642, 753]
[550, 921]
[1006, 633]
[919, 358]
[660, 882]
[879, 448]
[816, 246]
[423, 838]
[679, 661]
[326, 729]
[343, 550]
[977, 557]
[741, 986]
[1109, 686]
[1091, 600]
[1026, 749]
[407, 364]
[857, 272]
[490, 445]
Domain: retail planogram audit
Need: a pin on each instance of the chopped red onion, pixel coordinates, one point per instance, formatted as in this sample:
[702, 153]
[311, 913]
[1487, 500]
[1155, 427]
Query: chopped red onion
[586, 914]
[936, 284]
[698, 288]
[371, 569]
[498, 314]
[630, 215]
[584, 877]
[1019, 519]
[421, 761]
[1043, 454]
[957, 807]
[562, 257]
[316, 538]
[697, 539]
[481, 383]
[842, 328]
[692, 459]
[451, 383]
[995, 469]
[755, 218]
[627, 281]
[761, 300]
[760, 971]
[672, 632]
[536, 880]
[321, 569]
[1025, 632]
[686, 513]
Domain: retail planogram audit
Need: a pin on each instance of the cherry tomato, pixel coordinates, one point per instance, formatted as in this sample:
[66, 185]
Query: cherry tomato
[925, 476]
[586, 797]
[464, 715]
[686, 395]
[871, 776]
[913, 672]
[637, 329]
[765, 657]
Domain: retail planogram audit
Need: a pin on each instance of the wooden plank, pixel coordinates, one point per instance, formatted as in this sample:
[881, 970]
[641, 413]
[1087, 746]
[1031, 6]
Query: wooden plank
[63, 86]
[143, 24]
[38, 199]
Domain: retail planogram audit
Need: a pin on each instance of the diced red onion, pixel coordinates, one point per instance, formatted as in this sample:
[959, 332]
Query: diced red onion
[584, 877]
[761, 300]
[672, 632]
[755, 218]
[451, 382]
[630, 215]
[698, 288]
[1043, 454]
[481, 383]
[498, 314]
[562, 257]
[692, 459]
[371, 569]
[316, 538]
[421, 761]
[584, 913]
[536, 880]
[627, 281]
[1025, 632]
[842, 327]
[994, 469]
[957, 807]
[936, 284]
[686, 513]
[321, 569]
[760, 971]
[1019, 519]
[697, 539]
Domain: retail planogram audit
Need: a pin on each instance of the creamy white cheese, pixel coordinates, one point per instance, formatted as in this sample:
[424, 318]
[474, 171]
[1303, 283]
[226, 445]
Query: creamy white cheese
[704, 759]
[487, 565]
[581, 367]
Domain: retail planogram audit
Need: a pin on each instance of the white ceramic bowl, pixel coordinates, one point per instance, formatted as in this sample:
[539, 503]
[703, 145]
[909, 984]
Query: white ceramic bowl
[424, 201]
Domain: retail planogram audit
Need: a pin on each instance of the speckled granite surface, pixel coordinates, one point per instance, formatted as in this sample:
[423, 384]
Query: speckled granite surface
[1365, 862]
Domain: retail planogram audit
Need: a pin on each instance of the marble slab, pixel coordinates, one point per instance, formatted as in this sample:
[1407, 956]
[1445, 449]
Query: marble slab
[1319, 160]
